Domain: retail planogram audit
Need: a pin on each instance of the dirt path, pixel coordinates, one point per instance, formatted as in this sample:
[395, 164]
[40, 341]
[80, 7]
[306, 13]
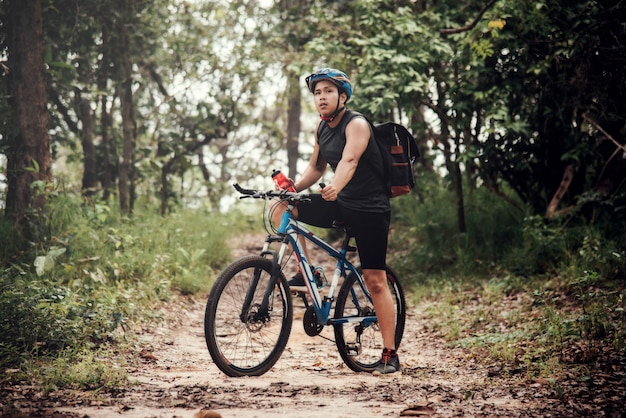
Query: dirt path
[175, 377]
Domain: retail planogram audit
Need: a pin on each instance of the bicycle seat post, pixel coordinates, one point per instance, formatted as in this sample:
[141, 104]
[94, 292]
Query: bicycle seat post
[345, 245]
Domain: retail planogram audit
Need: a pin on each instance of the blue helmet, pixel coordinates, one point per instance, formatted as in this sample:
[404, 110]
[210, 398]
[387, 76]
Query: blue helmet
[339, 78]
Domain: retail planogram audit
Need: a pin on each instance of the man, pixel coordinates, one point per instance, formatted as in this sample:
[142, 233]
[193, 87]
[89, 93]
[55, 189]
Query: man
[357, 193]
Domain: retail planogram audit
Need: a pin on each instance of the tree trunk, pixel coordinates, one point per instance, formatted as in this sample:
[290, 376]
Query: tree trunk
[86, 115]
[293, 123]
[165, 187]
[456, 177]
[107, 166]
[460, 201]
[29, 151]
[128, 123]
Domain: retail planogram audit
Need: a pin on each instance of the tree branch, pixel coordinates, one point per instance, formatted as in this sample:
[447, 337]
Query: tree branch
[618, 147]
[566, 181]
[466, 28]
[609, 137]
[64, 111]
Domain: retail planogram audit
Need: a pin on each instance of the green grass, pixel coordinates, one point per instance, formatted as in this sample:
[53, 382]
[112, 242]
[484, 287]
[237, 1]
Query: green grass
[84, 370]
[97, 275]
[534, 325]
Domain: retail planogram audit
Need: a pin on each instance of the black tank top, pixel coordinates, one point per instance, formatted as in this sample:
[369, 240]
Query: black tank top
[366, 191]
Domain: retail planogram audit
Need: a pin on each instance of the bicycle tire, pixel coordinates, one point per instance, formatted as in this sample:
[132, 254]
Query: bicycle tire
[361, 346]
[252, 345]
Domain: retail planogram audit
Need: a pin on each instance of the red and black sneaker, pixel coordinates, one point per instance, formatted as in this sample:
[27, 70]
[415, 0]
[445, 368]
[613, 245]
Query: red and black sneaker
[389, 363]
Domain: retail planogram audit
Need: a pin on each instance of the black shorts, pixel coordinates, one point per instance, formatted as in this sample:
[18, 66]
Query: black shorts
[370, 229]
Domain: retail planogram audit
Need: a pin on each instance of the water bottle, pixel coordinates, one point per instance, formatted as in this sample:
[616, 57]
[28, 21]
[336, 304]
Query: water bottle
[282, 181]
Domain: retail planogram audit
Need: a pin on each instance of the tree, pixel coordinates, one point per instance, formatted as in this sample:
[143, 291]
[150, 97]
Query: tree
[183, 78]
[293, 27]
[28, 155]
[558, 134]
[518, 93]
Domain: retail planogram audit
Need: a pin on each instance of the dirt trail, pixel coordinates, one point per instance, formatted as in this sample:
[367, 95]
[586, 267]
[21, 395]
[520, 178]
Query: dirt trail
[175, 377]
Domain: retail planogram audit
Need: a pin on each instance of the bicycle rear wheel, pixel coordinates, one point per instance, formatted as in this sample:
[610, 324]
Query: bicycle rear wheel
[247, 342]
[360, 344]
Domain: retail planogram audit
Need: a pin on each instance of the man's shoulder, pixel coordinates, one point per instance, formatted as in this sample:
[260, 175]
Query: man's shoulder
[351, 114]
[355, 117]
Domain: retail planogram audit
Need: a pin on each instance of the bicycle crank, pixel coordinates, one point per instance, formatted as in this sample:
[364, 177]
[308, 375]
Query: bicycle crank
[309, 321]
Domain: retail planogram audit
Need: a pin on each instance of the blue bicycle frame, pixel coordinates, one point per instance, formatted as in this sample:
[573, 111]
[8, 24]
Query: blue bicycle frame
[289, 230]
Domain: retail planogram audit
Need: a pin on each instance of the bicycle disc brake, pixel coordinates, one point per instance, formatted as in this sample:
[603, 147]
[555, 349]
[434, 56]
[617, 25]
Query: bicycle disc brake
[309, 321]
[255, 320]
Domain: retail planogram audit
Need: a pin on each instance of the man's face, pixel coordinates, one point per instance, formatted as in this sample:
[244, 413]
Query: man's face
[326, 95]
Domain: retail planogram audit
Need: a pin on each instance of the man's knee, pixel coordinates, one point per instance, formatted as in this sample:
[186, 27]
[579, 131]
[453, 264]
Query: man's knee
[376, 280]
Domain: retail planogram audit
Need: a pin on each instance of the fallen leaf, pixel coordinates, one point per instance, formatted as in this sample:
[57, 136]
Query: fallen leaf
[417, 410]
[147, 355]
[205, 413]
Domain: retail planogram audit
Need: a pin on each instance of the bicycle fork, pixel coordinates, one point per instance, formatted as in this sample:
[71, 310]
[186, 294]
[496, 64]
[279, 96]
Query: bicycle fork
[260, 312]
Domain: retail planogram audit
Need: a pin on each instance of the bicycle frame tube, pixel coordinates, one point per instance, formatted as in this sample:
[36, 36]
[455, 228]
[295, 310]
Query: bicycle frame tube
[290, 228]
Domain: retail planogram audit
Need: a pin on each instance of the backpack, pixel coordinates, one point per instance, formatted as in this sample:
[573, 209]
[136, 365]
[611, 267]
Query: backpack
[399, 150]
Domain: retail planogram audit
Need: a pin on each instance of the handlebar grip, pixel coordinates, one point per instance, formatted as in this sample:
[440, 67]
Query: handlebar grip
[242, 190]
[322, 185]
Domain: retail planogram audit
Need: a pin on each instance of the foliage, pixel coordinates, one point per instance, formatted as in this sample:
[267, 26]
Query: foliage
[113, 273]
[510, 101]
[197, 69]
[500, 237]
[83, 370]
[540, 298]
[426, 231]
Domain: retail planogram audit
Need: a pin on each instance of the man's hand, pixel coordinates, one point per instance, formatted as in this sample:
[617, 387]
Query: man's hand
[328, 192]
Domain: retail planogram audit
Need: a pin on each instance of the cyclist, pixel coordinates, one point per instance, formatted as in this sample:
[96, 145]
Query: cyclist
[356, 195]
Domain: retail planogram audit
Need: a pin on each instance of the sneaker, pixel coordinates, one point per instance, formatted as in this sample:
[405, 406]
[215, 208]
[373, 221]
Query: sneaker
[389, 363]
[296, 284]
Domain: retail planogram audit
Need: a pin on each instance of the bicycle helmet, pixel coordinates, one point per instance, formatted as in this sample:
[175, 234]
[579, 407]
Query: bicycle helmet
[339, 78]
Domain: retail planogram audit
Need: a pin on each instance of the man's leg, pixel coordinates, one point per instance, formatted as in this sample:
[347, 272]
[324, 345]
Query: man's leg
[376, 281]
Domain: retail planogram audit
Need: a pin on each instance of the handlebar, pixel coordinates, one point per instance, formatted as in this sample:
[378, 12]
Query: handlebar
[292, 197]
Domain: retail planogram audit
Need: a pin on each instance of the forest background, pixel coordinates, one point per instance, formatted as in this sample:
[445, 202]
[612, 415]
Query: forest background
[123, 124]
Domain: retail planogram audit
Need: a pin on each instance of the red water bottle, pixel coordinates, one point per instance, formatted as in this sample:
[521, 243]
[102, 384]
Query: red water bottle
[282, 181]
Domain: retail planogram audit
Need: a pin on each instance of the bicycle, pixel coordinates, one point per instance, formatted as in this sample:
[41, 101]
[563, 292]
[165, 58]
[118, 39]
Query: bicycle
[249, 311]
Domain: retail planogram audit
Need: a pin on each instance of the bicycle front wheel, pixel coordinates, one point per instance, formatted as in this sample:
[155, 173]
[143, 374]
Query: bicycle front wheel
[360, 343]
[244, 333]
